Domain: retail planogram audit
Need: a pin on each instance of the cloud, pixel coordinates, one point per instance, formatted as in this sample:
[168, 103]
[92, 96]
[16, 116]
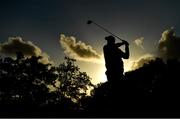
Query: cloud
[78, 49]
[168, 48]
[169, 45]
[45, 59]
[17, 44]
[139, 42]
[142, 60]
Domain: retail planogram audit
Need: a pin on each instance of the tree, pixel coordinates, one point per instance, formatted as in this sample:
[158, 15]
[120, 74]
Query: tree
[73, 83]
[24, 81]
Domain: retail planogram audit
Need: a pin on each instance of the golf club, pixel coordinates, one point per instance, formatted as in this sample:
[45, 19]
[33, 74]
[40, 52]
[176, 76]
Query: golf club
[92, 22]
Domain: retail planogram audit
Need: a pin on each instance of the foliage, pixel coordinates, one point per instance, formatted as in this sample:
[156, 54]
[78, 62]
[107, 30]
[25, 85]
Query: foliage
[25, 82]
[154, 88]
[73, 83]
[26, 86]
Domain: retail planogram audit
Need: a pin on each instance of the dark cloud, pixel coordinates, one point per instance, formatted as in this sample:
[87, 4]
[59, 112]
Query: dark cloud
[168, 48]
[78, 49]
[169, 45]
[17, 44]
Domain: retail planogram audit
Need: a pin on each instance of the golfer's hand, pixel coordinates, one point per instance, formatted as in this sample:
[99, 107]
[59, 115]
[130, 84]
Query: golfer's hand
[125, 42]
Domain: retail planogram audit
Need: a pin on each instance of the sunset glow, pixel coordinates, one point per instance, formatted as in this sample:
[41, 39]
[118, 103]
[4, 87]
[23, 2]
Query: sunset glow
[98, 73]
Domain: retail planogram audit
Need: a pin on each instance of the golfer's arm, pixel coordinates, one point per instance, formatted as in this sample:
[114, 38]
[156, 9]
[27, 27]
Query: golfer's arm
[119, 44]
[126, 54]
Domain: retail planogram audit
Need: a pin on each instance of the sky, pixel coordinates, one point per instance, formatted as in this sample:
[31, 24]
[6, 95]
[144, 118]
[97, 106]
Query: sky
[40, 24]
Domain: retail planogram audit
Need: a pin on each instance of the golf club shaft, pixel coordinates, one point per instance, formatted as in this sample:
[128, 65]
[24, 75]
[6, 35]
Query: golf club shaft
[107, 30]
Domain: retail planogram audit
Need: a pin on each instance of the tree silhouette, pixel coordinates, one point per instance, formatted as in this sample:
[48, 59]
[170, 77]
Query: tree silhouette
[24, 85]
[24, 80]
[73, 83]
[150, 90]
[24, 88]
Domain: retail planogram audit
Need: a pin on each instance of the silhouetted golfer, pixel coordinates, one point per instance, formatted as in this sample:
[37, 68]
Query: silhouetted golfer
[113, 59]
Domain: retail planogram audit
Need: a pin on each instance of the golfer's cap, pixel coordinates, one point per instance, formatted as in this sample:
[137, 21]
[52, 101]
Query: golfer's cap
[110, 38]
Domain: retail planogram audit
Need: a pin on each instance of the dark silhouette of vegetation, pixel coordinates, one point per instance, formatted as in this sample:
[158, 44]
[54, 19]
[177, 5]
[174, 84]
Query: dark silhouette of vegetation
[150, 91]
[29, 88]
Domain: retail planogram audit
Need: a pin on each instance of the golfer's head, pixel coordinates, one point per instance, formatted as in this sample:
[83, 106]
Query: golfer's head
[110, 39]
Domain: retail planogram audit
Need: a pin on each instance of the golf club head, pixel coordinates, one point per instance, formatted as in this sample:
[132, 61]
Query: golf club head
[89, 22]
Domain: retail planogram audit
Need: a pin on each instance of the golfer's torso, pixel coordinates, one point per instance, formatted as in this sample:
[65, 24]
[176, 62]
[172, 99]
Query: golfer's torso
[113, 58]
